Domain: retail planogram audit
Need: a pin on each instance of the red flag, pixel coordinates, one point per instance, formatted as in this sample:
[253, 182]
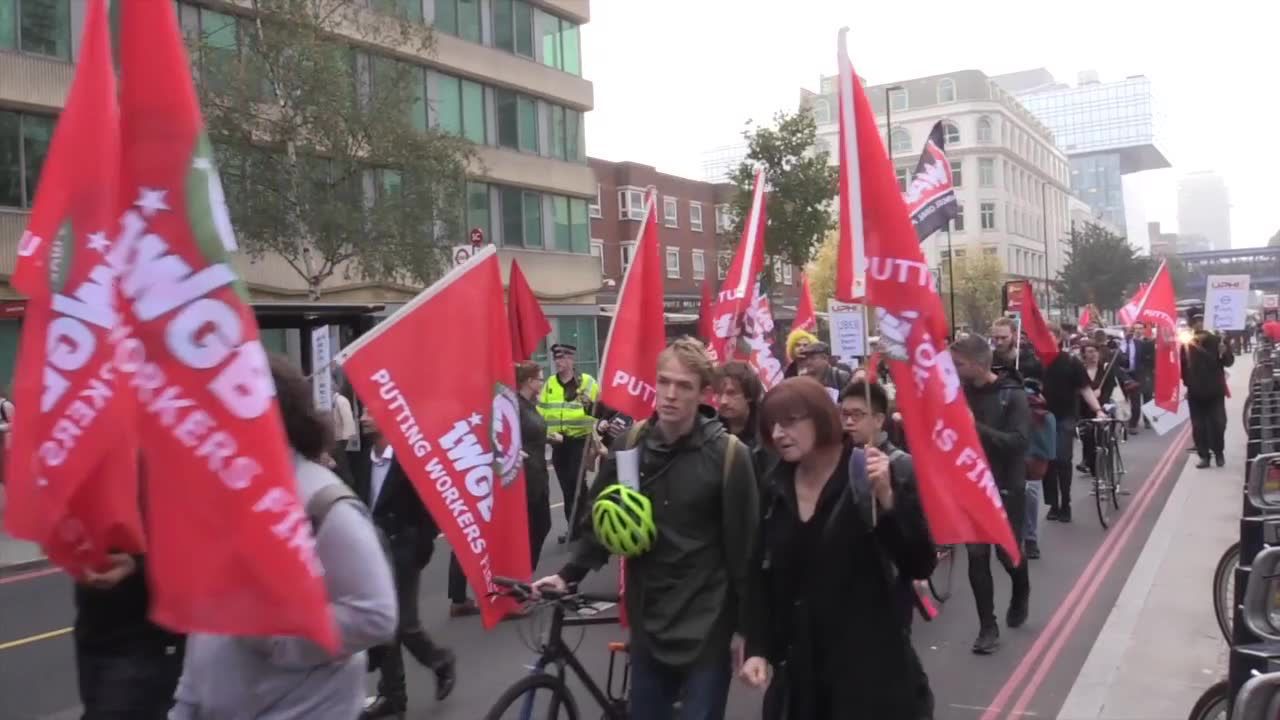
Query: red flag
[1022, 300]
[851, 260]
[1086, 317]
[461, 447]
[231, 550]
[1158, 308]
[524, 314]
[757, 337]
[806, 317]
[957, 488]
[1129, 313]
[706, 325]
[629, 373]
[73, 451]
[739, 288]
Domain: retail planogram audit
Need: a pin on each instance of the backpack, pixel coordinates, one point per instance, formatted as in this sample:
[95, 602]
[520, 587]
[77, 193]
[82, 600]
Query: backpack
[730, 450]
[1043, 439]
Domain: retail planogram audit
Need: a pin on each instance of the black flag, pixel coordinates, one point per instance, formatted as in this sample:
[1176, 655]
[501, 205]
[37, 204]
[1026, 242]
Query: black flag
[931, 196]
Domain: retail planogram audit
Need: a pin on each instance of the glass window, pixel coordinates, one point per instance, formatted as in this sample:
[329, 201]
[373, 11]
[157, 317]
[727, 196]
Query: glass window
[952, 134]
[10, 159]
[478, 207]
[901, 141]
[988, 212]
[594, 208]
[699, 265]
[220, 49]
[469, 20]
[474, 127]
[673, 262]
[671, 212]
[947, 90]
[571, 47]
[560, 216]
[406, 9]
[959, 221]
[44, 26]
[37, 131]
[548, 29]
[573, 136]
[597, 251]
[627, 253]
[559, 146]
[957, 176]
[508, 119]
[512, 202]
[821, 111]
[984, 129]
[723, 261]
[449, 104]
[630, 205]
[8, 26]
[579, 226]
[524, 28]
[986, 172]
[528, 111]
[904, 177]
[695, 216]
[724, 219]
[898, 99]
[446, 17]
[532, 219]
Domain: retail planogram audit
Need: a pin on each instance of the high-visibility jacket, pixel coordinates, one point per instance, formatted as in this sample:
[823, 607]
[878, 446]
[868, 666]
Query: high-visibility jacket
[569, 418]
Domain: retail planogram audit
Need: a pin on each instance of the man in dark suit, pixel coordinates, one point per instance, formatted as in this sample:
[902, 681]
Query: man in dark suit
[1204, 362]
[1140, 353]
[400, 515]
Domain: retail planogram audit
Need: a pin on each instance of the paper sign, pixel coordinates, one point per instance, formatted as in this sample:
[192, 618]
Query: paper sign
[1227, 303]
[1271, 302]
[628, 464]
[1162, 421]
[321, 377]
[461, 254]
[848, 329]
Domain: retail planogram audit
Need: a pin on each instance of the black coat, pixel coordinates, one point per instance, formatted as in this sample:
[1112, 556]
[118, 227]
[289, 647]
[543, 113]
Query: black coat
[1204, 361]
[533, 441]
[827, 614]
[399, 512]
[1003, 420]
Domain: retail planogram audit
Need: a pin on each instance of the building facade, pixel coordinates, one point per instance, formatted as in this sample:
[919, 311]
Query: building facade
[506, 74]
[1106, 129]
[1011, 181]
[1204, 208]
[1167, 243]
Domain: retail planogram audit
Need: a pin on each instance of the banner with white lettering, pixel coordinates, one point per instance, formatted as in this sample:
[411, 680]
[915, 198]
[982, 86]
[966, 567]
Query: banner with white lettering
[231, 548]
[1226, 305]
[931, 196]
[455, 422]
[321, 377]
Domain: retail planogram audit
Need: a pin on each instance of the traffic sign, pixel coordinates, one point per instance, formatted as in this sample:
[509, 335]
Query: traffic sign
[477, 237]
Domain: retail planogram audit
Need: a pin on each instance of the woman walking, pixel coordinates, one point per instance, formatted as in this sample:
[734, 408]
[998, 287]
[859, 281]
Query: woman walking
[533, 440]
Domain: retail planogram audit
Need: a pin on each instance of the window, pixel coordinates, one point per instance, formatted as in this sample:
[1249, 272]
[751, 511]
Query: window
[723, 260]
[42, 27]
[575, 147]
[630, 204]
[403, 9]
[787, 274]
[952, 134]
[521, 218]
[24, 142]
[958, 223]
[904, 177]
[579, 331]
[898, 99]
[821, 111]
[628, 253]
[594, 207]
[901, 141]
[947, 91]
[988, 212]
[459, 107]
[724, 219]
[699, 265]
[670, 212]
[565, 127]
[457, 17]
[990, 251]
[986, 172]
[572, 233]
[478, 207]
[984, 130]
[957, 176]
[513, 26]
[558, 42]
[695, 216]
[597, 251]
[673, 263]
[517, 120]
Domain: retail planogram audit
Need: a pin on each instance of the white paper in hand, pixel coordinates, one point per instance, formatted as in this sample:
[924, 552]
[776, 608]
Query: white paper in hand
[628, 462]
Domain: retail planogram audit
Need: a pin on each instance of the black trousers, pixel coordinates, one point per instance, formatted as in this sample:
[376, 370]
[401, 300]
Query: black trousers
[1208, 424]
[980, 562]
[539, 527]
[136, 685]
[1143, 394]
[566, 458]
[1057, 480]
[387, 658]
[1089, 449]
[457, 581]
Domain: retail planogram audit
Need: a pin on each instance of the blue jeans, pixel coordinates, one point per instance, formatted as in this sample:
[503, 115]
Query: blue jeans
[702, 690]
[1034, 490]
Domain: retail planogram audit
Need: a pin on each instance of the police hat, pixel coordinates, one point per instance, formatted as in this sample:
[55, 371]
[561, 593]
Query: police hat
[563, 349]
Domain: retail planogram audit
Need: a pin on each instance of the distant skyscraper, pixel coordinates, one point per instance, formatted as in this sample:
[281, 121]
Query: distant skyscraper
[717, 163]
[1204, 208]
[1106, 130]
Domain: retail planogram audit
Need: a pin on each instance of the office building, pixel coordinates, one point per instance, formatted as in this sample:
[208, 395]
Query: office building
[1106, 129]
[1204, 208]
[1082, 213]
[1167, 243]
[1010, 179]
[497, 65]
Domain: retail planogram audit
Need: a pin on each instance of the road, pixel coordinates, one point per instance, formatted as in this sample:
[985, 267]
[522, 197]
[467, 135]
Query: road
[1073, 588]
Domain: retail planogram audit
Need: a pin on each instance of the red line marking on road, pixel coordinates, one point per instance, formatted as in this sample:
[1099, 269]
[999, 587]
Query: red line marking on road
[1049, 633]
[30, 575]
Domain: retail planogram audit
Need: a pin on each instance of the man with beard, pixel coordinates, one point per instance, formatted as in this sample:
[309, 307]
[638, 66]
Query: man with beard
[738, 399]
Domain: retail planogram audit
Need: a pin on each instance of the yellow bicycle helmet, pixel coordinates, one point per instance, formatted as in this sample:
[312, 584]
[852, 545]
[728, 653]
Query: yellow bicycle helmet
[623, 520]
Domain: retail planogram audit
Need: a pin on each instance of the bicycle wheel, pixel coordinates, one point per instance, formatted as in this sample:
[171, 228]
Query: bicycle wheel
[1224, 590]
[1116, 469]
[940, 580]
[538, 696]
[1102, 484]
[1214, 704]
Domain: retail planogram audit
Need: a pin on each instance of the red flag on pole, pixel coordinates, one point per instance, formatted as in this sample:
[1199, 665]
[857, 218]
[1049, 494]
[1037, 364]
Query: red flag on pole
[957, 488]
[737, 293]
[1158, 308]
[1129, 313]
[461, 448]
[231, 550]
[629, 372]
[1086, 317]
[524, 314]
[706, 324]
[851, 260]
[73, 449]
[806, 317]
[1022, 300]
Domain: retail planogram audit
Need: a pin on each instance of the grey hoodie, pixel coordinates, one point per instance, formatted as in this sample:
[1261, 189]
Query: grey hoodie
[284, 678]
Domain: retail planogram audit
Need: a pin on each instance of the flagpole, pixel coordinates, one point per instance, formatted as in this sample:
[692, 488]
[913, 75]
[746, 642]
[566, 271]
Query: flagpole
[951, 280]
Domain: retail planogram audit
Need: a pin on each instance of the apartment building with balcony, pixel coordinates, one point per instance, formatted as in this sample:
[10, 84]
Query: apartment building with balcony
[505, 74]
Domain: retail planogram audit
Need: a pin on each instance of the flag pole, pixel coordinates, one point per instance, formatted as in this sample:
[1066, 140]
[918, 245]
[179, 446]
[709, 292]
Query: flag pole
[866, 388]
[951, 280]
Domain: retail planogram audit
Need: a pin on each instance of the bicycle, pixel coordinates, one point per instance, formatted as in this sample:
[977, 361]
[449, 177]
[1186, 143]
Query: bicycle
[554, 651]
[1214, 703]
[1224, 589]
[937, 585]
[1108, 466]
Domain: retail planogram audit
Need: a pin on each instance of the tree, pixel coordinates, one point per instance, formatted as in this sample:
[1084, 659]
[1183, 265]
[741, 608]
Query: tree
[822, 271]
[1103, 269]
[800, 185]
[977, 285]
[325, 150]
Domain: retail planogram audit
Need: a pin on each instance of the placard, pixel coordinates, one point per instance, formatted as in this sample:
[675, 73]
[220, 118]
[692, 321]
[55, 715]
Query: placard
[321, 376]
[1162, 421]
[461, 254]
[1227, 303]
[848, 329]
[1270, 302]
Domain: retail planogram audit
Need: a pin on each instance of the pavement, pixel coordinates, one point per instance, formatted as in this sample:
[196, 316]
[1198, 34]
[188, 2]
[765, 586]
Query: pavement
[1078, 587]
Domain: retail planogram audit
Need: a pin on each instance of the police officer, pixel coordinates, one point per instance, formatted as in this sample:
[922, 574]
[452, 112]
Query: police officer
[567, 402]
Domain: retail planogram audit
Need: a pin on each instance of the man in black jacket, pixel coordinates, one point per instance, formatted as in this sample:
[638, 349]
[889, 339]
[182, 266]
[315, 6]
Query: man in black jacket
[399, 514]
[1204, 363]
[1140, 352]
[1003, 419]
[738, 400]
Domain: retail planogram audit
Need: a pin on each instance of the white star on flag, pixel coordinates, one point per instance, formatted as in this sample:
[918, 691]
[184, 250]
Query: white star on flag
[98, 241]
[151, 200]
[476, 419]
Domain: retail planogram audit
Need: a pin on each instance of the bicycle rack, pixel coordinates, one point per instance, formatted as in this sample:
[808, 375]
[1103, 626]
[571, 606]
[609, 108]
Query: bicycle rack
[1258, 698]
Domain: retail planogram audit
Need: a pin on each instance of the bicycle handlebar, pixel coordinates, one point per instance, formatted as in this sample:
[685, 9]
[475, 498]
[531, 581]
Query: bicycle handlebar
[524, 591]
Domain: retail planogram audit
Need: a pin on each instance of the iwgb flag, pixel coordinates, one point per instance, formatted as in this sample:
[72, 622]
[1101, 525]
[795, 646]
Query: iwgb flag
[931, 196]
[629, 371]
[455, 422]
[739, 290]
[73, 451]
[1021, 298]
[231, 549]
[1158, 308]
[1129, 313]
[958, 490]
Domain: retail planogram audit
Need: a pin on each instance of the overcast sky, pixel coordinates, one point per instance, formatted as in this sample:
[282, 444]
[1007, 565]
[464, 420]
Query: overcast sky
[675, 78]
